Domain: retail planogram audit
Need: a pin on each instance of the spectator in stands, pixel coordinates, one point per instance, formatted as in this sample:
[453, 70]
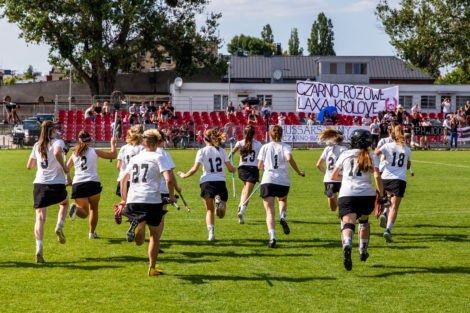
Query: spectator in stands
[461, 117]
[151, 108]
[256, 110]
[425, 139]
[170, 110]
[133, 114]
[143, 112]
[383, 128]
[281, 120]
[400, 114]
[415, 121]
[384, 111]
[467, 109]
[192, 137]
[252, 118]
[415, 109]
[154, 118]
[374, 132]
[184, 133]
[239, 108]
[247, 109]
[454, 126]
[446, 106]
[265, 110]
[230, 110]
[163, 113]
[175, 136]
[106, 109]
[90, 112]
[200, 139]
[326, 118]
[334, 118]
[98, 109]
[12, 108]
[367, 121]
[356, 121]
[310, 121]
[446, 125]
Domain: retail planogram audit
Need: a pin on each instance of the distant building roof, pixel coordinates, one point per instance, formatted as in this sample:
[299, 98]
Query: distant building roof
[303, 67]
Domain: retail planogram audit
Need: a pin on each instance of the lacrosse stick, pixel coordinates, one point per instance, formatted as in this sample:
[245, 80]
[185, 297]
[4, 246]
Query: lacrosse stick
[114, 130]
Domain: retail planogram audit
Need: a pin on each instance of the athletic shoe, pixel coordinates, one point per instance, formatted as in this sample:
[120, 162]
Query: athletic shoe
[388, 236]
[155, 271]
[39, 257]
[363, 256]
[347, 262]
[211, 236]
[383, 221]
[285, 227]
[132, 232]
[73, 212]
[219, 206]
[92, 235]
[60, 234]
[272, 243]
[117, 214]
[241, 218]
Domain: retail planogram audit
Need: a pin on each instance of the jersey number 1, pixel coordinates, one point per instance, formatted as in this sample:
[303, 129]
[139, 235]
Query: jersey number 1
[351, 172]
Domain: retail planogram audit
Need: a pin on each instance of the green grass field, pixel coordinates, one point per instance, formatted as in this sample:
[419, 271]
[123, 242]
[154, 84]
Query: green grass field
[427, 269]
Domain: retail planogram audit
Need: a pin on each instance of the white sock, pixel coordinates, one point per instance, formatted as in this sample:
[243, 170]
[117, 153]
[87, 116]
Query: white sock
[243, 209]
[272, 234]
[60, 223]
[210, 228]
[347, 241]
[386, 210]
[283, 214]
[38, 245]
[363, 244]
[389, 226]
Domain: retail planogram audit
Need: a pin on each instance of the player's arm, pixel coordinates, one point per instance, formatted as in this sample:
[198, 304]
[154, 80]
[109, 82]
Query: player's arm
[235, 149]
[170, 184]
[119, 165]
[292, 163]
[377, 150]
[31, 164]
[336, 174]
[191, 172]
[378, 181]
[59, 156]
[320, 165]
[109, 155]
[123, 183]
[261, 165]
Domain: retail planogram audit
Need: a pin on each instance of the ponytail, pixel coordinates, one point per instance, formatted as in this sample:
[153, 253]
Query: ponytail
[398, 136]
[364, 162]
[248, 147]
[83, 144]
[331, 135]
[214, 137]
[45, 138]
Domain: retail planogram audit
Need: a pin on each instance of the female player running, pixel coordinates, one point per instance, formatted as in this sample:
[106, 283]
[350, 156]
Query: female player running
[357, 194]
[397, 160]
[248, 171]
[86, 185]
[143, 202]
[274, 159]
[126, 153]
[334, 140]
[212, 181]
[49, 184]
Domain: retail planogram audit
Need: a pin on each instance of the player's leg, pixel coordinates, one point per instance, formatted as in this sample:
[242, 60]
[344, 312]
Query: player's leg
[246, 192]
[364, 235]
[39, 232]
[282, 212]
[139, 237]
[154, 248]
[392, 216]
[82, 207]
[93, 221]
[160, 229]
[333, 202]
[270, 222]
[63, 208]
[384, 216]
[209, 203]
[347, 235]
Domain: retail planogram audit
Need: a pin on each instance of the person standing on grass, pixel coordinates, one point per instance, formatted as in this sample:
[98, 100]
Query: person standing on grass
[397, 161]
[357, 195]
[334, 140]
[86, 185]
[248, 171]
[212, 182]
[126, 153]
[274, 159]
[49, 184]
[143, 202]
[454, 127]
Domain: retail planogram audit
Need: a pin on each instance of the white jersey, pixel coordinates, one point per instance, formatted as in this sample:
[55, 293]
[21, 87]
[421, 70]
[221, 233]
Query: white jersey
[396, 160]
[276, 167]
[170, 164]
[331, 155]
[355, 183]
[145, 177]
[126, 153]
[49, 171]
[86, 167]
[252, 158]
[213, 163]
[381, 143]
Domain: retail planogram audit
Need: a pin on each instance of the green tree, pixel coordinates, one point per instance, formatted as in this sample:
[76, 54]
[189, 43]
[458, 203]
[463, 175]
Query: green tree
[294, 45]
[100, 37]
[321, 37]
[429, 34]
[30, 74]
[248, 45]
[267, 34]
[10, 80]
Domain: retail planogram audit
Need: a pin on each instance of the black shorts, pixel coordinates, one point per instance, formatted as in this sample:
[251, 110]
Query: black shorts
[211, 189]
[118, 189]
[165, 198]
[8, 107]
[332, 187]
[396, 187]
[248, 174]
[359, 205]
[273, 190]
[86, 189]
[151, 213]
[46, 195]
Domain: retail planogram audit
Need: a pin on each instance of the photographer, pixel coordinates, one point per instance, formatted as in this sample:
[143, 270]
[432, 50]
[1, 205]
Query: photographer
[446, 106]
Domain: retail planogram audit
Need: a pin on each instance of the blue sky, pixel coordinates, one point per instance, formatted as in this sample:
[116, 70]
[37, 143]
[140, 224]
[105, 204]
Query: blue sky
[357, 31]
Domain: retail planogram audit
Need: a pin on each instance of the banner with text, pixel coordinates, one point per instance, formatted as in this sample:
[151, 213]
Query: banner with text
[312, 97]
[304, 133]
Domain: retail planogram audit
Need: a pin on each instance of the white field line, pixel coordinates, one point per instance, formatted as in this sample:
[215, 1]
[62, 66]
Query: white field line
[439, 163]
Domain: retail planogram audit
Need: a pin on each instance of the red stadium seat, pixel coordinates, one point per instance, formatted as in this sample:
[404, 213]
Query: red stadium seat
[432, 115]
[440, 116]
[424, 114]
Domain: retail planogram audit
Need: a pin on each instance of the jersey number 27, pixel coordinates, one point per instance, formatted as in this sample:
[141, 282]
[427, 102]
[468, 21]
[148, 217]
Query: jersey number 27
[135, 173]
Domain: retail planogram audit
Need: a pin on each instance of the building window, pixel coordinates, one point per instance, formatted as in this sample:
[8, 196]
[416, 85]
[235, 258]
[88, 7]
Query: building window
[325, 68]
[333, 68]
[428, 102]
[220, 102]
[169, 60]
[349, 68]
[406, 102]
[263, 98]
[364, 69]
[461, 101]
[341, 68]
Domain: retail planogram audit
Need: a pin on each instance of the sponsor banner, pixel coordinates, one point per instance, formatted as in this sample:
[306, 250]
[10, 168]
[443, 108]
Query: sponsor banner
[428, 130]
[312, 97]
[463, 134]
[304, 133]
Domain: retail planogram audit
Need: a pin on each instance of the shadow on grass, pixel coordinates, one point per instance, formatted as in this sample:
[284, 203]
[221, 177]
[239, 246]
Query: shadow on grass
[269, 279]
[232, 254]
[293, 222]
[427, 237]
[70, 265]
[131, 258]
[438, 226]
[406, 270]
